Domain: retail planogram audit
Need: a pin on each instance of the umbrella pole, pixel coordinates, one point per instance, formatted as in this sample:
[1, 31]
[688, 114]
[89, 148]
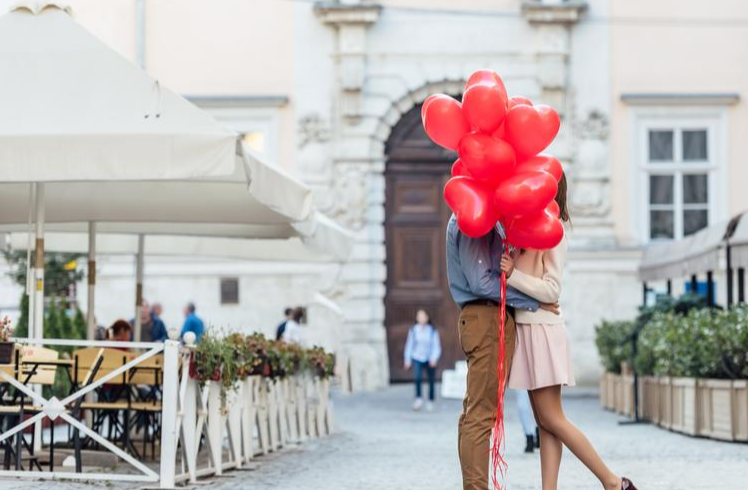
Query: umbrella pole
[29, 267]
[90, 314]
[38, 291]
[139, 287]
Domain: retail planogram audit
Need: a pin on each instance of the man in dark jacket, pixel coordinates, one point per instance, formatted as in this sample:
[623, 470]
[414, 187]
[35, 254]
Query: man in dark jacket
[281, 328]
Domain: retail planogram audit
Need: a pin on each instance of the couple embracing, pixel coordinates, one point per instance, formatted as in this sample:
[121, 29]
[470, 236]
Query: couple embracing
[537, 349]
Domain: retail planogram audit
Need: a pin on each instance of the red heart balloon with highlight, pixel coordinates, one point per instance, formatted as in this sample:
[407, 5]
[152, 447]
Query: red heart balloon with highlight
[525, 194]
[484, 107]
[488, 159]
[542, 163]
[517, 100]
[444, 121]
[530, 129]
[459, 169]
[541, 231]
[487, 77]
[470, 201]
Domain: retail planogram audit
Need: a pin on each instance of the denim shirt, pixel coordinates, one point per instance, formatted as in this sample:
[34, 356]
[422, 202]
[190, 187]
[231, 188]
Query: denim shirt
[423, 344]
[474, 269]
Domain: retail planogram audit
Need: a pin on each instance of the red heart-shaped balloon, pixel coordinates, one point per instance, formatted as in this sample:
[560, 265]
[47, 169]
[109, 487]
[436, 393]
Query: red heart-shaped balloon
[525, 194]
[554, 209]
[517, 100]
[530, 129]
[541, 231]
[542, 163]
[444, 121]
[484, 107]
[470, 201]
[459, 169]
[488, 159]
[487, 77]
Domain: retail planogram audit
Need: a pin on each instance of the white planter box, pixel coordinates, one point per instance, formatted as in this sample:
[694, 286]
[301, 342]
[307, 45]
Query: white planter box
[717, 407]
[684, 405]
[740, 404]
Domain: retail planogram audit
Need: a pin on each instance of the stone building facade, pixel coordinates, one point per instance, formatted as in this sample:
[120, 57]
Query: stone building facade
[331, 91]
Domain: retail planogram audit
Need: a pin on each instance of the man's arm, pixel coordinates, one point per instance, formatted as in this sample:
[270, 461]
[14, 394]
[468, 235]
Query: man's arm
[481, 266]
[521, 301]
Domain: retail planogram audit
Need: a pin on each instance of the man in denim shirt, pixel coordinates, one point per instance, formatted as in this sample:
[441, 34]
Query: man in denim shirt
[474, 272]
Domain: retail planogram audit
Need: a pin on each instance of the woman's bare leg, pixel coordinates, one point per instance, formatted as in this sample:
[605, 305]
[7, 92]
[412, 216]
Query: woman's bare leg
[550, 414]
[551, 449]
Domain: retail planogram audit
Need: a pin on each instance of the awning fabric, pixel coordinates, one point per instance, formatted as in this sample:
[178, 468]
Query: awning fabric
[693, 254]
[739, 244]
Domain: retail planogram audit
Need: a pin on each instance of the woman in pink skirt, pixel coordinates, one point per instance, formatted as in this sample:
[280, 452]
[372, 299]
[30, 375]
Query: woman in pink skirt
[542, 359]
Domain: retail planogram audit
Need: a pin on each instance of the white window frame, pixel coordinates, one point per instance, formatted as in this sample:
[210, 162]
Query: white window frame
[644, 119]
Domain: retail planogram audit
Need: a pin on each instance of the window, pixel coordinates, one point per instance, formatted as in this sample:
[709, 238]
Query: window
[679, 164]
[229, 291]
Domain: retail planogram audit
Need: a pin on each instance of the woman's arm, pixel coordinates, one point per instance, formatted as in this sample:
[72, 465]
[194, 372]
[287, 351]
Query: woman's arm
[546, 289]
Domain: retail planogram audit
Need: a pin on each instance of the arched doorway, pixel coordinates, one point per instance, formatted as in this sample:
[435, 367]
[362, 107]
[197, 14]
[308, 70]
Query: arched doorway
[415, 229]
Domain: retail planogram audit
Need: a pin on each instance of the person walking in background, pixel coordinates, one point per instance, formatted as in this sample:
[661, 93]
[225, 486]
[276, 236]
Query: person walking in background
[293, 333]
[529, 426]
[192, 323]
[160, 332]
[152, 329]
[542, 363]
[422, 351]
[288, 313]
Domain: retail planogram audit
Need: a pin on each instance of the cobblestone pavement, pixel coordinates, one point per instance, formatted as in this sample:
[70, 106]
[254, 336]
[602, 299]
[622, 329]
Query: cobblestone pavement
[381, 444]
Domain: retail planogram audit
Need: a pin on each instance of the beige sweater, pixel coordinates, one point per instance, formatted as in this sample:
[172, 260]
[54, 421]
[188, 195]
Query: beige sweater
[538, 274]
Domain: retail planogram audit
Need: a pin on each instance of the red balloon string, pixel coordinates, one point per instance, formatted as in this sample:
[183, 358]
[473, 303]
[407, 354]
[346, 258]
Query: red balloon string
[498, 445]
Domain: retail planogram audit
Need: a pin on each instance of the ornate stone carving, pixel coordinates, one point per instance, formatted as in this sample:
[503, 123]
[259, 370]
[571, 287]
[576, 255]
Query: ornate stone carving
[313, 129]
[595, 126]
[590, 198]
[349, 190]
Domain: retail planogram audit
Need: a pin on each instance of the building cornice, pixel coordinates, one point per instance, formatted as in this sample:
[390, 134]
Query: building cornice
[553, 11]
[340, 13]
[651, 98]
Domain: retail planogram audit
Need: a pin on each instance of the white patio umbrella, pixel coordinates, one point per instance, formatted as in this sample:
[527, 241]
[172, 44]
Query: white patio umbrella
[93, 138]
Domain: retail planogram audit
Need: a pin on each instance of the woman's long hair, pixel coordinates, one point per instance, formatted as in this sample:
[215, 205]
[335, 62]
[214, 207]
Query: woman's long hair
[563, 205]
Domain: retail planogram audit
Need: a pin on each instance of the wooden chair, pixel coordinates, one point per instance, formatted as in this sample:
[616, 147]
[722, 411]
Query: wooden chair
[27, 372]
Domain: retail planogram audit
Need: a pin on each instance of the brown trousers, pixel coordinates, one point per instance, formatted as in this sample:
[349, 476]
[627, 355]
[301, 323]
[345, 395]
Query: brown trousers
[479, 337]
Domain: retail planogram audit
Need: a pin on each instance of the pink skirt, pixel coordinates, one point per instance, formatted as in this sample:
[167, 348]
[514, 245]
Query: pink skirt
[542, 357]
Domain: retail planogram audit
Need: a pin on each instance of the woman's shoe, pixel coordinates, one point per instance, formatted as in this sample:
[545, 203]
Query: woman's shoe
[627, 485]
[530, 444]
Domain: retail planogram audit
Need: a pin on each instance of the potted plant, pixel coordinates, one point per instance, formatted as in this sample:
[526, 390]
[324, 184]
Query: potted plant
[255, 355]
[321, 363]
[7, 347]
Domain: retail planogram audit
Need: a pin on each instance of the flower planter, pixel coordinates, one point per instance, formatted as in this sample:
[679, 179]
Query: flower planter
[717, 406]
[665, 400]
[740, 420]
[684, 406]
[649, 398]
[627, 400]
[7, 349]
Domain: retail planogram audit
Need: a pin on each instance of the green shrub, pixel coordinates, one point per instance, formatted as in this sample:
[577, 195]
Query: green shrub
[706, 343]
[612, 345]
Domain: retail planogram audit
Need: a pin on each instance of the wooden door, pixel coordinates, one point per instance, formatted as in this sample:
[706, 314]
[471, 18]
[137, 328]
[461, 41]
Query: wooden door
[415, 227]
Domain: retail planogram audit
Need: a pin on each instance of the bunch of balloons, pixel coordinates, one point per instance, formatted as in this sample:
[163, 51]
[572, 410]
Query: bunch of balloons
[500, 174]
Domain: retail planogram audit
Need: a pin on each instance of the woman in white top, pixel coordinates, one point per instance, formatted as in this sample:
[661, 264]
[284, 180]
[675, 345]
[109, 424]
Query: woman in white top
[293, 333]
[542, 360]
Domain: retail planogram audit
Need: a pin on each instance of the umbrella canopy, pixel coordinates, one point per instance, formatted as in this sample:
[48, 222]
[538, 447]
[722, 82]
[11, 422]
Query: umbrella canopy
[75, 110]
[102, 142]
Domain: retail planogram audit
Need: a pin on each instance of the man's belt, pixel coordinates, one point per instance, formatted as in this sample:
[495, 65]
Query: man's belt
[481, 302]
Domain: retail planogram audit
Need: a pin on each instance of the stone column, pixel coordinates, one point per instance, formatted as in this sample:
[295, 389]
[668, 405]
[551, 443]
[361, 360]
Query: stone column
[357, 186]
[582, 143]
